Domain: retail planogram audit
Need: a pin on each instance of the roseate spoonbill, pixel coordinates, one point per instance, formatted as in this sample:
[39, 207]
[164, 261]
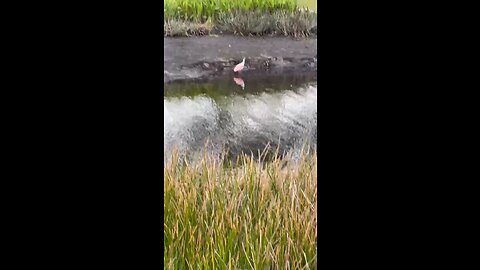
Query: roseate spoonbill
[240, 66]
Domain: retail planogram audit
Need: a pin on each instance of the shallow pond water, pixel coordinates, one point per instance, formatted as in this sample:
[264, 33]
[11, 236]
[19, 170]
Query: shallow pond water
[243, 114]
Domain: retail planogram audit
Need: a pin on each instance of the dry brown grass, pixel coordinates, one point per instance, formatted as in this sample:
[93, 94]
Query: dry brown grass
[296, 24]
[245, 215]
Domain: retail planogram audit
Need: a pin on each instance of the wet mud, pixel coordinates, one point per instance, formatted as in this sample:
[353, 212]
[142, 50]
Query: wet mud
[204, 58]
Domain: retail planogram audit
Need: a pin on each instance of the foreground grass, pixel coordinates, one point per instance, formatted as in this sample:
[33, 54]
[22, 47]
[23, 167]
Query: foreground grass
[241, 17]
[246, 216]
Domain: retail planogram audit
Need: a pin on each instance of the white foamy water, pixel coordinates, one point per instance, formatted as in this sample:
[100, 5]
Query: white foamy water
[180, 118]
[244, 122]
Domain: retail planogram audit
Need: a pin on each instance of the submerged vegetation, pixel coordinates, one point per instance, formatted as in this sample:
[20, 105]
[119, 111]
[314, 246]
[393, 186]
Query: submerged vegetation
[245, 215]
[243, 17]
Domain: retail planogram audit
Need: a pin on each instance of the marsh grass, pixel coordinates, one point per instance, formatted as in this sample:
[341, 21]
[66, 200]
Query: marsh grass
[297, 23]
[256, 214]
[201, 10]
[175, 28]
[242, 17]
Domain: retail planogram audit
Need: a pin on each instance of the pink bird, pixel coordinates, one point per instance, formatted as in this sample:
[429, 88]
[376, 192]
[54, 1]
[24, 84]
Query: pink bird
[240, 66]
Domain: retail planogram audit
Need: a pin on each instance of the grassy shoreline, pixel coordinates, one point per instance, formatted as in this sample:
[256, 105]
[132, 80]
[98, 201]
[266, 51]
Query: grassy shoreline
[238, 17]
[249, 216]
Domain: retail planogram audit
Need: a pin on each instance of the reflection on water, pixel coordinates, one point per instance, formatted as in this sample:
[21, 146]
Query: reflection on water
[243, 123]
[240, 82]
[258, 82]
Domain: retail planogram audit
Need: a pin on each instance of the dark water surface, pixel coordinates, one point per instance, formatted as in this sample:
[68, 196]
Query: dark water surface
[279, 110]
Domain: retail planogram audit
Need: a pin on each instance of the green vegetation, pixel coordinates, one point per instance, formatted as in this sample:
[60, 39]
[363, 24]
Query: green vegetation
[311, 4]
[202, 10]
[246, 215]
[244, 17]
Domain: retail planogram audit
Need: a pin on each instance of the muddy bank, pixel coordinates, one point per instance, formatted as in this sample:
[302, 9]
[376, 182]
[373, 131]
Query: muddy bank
[197, 58]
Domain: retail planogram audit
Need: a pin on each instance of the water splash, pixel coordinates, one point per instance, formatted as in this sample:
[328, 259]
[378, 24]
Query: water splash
[284, 119]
